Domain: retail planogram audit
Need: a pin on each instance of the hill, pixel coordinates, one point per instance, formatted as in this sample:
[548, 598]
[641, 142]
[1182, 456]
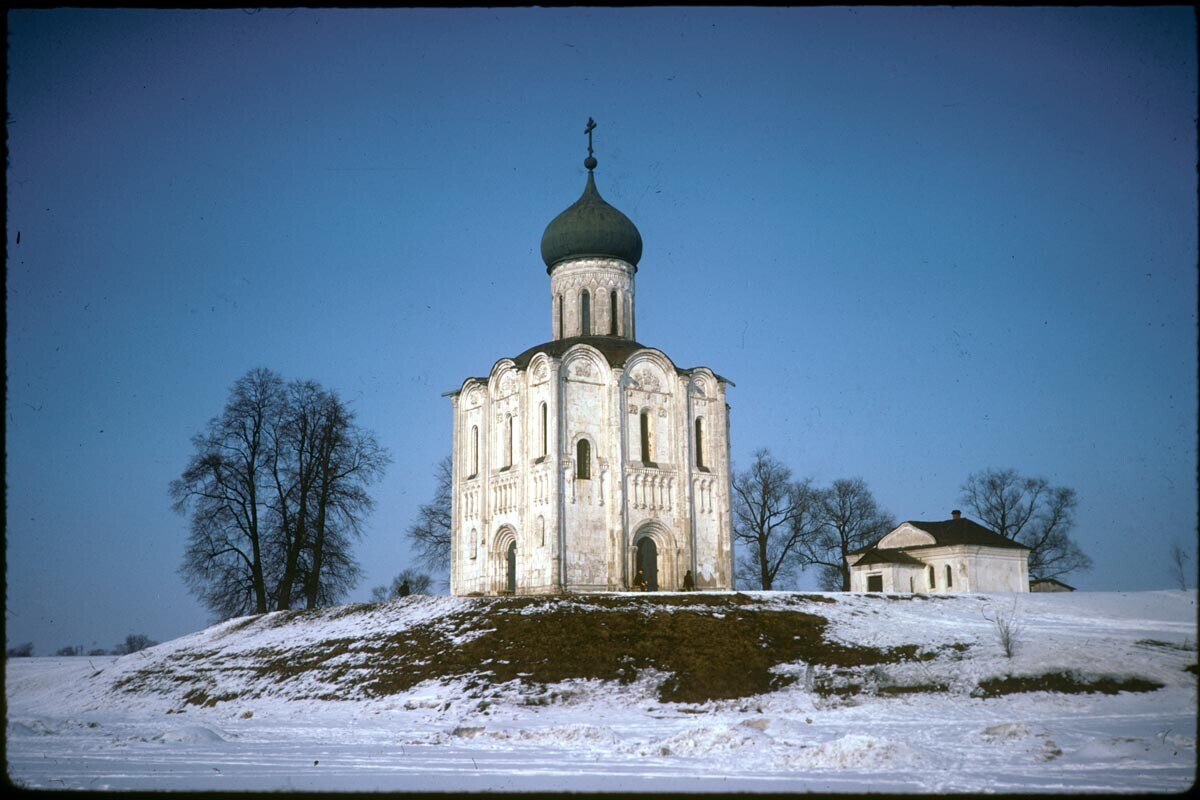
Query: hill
[751, 687]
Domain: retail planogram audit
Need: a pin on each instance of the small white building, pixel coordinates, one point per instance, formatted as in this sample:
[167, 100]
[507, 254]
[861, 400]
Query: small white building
[955, 555]
[590, 457]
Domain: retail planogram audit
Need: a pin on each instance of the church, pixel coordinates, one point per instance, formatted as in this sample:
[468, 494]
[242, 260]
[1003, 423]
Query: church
[590, 462]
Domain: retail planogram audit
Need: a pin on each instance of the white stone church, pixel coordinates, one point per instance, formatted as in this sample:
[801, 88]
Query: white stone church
[590, 457]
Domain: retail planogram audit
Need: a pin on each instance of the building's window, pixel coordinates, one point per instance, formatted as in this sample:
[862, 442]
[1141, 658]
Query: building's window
[508, 442]
[612, 313]
[874, 583]
[474, 544]
[699, 442]
[911, 587]
[583, 460]
[474, 451]
[562, 334]
[585, 314]
[949, 579]
[645, 420]
[932, 578]
[541, 532]
[545, 431]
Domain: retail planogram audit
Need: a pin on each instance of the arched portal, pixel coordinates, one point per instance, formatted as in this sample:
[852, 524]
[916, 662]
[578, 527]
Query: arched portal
[504, 561]
[647, 562]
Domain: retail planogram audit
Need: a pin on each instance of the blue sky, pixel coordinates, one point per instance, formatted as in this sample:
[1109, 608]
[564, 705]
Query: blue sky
[921, 242]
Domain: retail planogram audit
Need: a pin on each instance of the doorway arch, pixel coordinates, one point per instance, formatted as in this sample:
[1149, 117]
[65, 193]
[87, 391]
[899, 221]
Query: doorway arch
[653, 550]
[504, 561]
[646, 560]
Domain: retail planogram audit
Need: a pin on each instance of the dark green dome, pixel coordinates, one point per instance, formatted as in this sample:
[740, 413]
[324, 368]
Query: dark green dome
[591, 227]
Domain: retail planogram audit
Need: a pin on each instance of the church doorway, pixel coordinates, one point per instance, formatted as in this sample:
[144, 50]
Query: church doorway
[647, 562]
[510, 573]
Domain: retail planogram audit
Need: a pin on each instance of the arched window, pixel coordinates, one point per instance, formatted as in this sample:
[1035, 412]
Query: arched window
[645, 420]
[545, 431]
[612, 313]
[583, 460]
[932, 578]
[699, 442]
[585, 314]
[949, 579]
[474, 451]
[561, 331]
[508, 441]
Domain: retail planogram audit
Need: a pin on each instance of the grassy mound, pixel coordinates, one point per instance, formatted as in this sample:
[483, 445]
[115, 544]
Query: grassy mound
[712, 646]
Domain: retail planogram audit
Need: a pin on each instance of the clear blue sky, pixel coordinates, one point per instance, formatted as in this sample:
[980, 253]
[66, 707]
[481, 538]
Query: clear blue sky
[920, 241]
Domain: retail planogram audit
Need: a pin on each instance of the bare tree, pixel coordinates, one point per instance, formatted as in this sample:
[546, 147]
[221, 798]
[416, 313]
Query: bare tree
[133, 643]
[1008, 627]
[1031, 512]
[430, 533]
[278, 494]
[20, 651]
[848, 518]
[771, 516]
[1177, 562]
[410, 581]
[222, 487]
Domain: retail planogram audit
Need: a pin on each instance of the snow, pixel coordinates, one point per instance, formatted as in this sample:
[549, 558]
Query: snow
[68, 728]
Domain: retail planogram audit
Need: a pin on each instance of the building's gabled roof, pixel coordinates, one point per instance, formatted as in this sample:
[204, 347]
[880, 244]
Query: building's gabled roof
[1055, 581]
[963, 531]
[887, 556]
[951, 532]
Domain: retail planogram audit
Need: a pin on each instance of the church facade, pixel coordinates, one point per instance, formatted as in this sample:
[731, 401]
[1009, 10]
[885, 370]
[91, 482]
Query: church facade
[590, 462]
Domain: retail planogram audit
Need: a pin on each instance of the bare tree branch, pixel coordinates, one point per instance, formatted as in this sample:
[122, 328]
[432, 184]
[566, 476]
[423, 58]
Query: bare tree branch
[1031, 512]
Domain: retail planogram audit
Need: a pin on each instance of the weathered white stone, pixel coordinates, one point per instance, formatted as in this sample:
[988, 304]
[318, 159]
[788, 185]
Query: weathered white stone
[520, 434]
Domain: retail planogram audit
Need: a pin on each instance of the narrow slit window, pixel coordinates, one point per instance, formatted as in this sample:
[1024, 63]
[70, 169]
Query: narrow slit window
[561, 331]
[474, 450]
[932, 577]
[699, 442]
[645, 427]
[949, 579]
[583, 460]
[612, 313]
[545, 430]
[508, 443]
[585, 314]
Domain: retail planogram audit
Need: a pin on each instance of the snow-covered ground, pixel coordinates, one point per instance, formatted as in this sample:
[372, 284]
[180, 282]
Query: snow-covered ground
[68, 728]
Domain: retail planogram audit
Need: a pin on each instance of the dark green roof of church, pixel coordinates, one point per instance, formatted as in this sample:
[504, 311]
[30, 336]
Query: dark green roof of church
[591, 227]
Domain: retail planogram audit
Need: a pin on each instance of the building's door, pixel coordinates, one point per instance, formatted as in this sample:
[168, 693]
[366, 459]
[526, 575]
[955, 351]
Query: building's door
[647, 562]
[510, 582]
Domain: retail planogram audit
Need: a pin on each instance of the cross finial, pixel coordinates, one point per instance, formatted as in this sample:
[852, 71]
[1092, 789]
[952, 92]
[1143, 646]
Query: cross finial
[590, 161]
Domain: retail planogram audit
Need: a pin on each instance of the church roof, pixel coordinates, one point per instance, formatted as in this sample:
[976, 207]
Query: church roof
[614, 348]
[591, 227]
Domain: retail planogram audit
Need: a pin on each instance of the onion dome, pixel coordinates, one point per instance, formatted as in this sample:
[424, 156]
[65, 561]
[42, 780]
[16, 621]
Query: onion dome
[591, 227]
